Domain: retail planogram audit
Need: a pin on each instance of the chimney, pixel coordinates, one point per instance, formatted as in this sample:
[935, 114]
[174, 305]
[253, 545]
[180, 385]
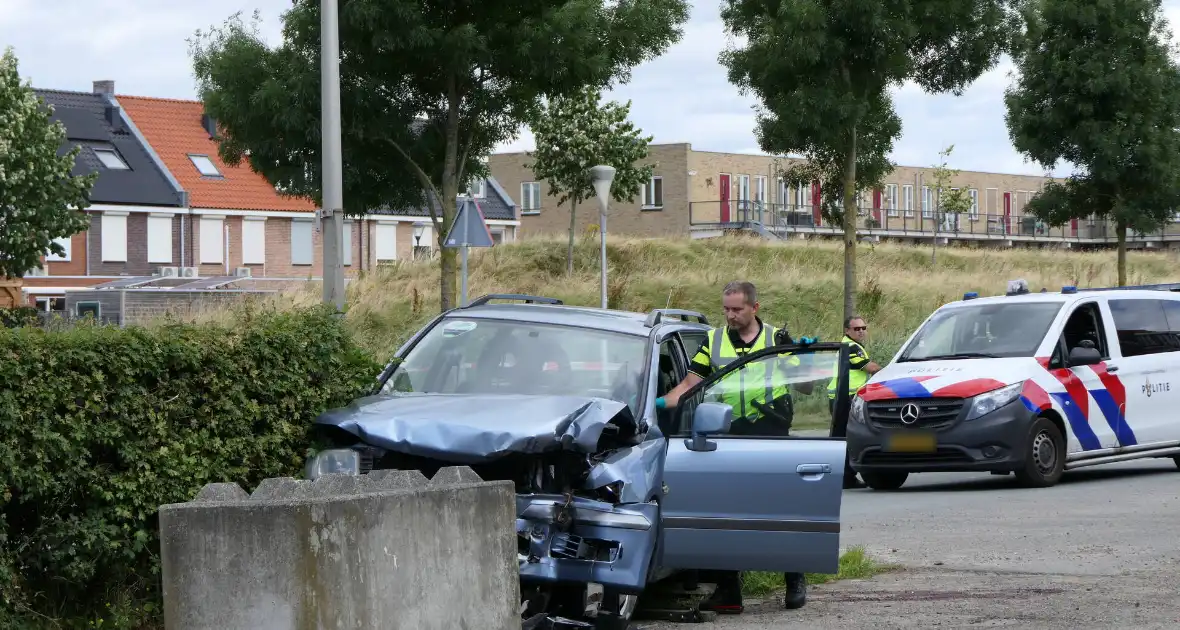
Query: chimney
[210, 125]
[104, 87]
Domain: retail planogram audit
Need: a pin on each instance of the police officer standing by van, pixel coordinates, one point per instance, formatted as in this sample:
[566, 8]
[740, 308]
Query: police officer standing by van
[860, 368]
[744, 333]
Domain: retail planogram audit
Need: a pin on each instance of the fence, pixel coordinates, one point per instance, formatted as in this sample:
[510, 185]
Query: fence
[785, 219]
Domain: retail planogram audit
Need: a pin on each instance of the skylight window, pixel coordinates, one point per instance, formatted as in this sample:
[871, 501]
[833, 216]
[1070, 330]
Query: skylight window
[205, 165]
[111, 159]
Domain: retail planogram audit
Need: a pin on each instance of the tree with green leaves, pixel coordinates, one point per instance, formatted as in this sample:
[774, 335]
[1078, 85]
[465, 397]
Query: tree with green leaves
[947, 200]
[426, 90]
[576, 132]
[1099, 89]
[822, 70]
[40, 198]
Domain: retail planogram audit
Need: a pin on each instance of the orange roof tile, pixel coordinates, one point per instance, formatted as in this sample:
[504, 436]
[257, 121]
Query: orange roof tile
[173, 128]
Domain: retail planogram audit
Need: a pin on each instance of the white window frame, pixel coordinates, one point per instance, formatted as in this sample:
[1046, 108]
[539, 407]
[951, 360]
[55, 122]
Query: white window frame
[67, 243]
[891, 200]
[212, 243]
[199, 160]
[907, 200]
[310, 254]
[159, 238]
[927, 202]
[110, 159]
[760, 189]
[802, 197]
[784, 193]
[385, 241]
[477, 188]
[743, 187]
[530, 193]
[647, 193]
[253, 240]
[973, 211]
[114, 236]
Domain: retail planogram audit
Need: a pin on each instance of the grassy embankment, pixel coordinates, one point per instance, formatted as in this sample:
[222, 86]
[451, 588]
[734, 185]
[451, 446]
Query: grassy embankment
[800, 285]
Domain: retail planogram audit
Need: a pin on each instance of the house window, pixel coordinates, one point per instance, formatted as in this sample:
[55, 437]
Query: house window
[114, 237]
[205, 166]
[497, 237]
[302, 245]
[385, 242]
[346, 249]
[973, 195]
[927, 202]
[784, 193]
[907, 199]
[111, 159]
[212, 240]
[803, 197]
[477, 187]
[159, 238]
[530, 197]
[891, 199]
[760, 189]
[743, 188]
[253, 240]
[67, 244]
[652, 193]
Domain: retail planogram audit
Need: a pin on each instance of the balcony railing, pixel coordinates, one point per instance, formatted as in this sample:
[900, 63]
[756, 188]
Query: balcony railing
[786, 219]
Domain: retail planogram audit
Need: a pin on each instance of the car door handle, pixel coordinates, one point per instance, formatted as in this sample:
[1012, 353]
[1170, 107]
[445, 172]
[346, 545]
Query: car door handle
[813, 469]
[1111, 368]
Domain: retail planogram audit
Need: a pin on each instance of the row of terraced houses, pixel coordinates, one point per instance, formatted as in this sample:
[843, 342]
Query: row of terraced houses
[165, 208]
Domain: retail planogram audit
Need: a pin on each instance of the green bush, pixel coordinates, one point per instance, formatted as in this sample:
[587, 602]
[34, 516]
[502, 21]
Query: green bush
[18, 317]
[99, 426]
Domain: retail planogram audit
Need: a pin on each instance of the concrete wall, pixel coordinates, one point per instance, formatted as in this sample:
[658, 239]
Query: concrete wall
[387, 550]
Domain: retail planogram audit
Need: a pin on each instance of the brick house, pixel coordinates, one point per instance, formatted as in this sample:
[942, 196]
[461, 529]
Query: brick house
[131, 186]
[706, 193]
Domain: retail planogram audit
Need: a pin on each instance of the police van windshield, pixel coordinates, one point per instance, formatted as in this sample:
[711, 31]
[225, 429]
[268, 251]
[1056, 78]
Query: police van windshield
[485, 356]
[993, 330]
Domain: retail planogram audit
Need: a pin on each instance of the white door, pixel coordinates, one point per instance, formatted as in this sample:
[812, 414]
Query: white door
[1148, 367]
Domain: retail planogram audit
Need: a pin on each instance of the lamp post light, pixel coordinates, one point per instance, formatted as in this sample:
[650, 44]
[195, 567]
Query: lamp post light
[419, 230]
[602, 176]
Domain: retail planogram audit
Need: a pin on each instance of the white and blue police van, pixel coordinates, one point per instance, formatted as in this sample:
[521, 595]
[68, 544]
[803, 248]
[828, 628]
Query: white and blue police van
[1027, 383]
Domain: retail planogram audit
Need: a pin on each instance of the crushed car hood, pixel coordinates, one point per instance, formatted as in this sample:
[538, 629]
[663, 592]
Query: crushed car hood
[479, 428]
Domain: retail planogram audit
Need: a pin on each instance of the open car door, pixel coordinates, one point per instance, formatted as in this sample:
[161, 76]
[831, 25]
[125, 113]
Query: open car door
[755, 488]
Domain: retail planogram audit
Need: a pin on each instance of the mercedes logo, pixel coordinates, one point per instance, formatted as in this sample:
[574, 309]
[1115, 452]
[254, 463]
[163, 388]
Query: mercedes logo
[909, 413]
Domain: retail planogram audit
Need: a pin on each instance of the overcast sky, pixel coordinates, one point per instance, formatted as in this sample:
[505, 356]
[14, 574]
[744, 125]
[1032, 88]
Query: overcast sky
[681, 97]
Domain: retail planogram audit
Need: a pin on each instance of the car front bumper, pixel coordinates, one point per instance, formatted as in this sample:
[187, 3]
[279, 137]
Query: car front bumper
[994, 442]
[583, 540]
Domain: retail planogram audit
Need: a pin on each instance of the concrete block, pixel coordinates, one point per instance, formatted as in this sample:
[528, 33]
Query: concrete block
[389, 550]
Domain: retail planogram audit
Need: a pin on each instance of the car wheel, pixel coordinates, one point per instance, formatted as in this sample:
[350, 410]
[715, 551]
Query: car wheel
[884, 480]
[1044, 457]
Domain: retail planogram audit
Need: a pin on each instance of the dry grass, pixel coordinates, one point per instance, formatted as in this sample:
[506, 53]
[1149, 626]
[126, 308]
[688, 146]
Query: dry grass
[800, 283]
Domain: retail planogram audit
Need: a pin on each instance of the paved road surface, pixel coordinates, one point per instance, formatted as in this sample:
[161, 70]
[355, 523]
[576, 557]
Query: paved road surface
[1100, 550]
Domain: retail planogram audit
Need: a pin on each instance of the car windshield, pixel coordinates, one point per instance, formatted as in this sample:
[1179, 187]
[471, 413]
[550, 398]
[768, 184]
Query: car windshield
[484, 356]
[1013, 329]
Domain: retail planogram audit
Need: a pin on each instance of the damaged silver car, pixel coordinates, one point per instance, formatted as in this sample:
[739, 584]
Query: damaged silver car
[613, 494]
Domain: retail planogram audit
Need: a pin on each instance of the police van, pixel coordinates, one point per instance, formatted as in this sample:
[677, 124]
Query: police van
[1027, 383]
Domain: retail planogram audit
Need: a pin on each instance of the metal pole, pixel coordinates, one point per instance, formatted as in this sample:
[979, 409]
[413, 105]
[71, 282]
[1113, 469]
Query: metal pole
[463, 261]
[602, 257]
[332, 172]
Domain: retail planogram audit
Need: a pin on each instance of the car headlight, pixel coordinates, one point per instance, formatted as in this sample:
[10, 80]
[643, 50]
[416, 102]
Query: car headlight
[336, 460]
[857, 412]
[993, 400]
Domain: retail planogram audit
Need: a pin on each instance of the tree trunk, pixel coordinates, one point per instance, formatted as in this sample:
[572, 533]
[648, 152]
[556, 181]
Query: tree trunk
[850, 228]
[1121, 226]
[569, 253]
[450, 192]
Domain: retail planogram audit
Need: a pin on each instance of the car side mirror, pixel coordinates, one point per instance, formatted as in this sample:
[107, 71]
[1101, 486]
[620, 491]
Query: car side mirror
[709, 418]
[1081, 355]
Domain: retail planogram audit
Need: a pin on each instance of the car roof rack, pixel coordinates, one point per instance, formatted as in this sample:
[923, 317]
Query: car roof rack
[658, 315]
[531, 299]
[1171, 286]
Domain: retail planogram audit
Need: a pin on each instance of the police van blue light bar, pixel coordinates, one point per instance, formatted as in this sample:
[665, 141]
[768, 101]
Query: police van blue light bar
[1068, 290]
[970, 295]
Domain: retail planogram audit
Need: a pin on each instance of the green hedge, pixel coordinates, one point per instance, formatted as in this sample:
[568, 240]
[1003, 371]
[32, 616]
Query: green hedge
[100, 425]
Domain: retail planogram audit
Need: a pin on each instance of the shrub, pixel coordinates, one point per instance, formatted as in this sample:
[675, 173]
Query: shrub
[18, 316]
[99, 426]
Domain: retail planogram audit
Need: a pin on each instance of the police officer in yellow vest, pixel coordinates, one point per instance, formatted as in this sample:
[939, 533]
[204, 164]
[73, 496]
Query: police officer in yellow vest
[860, 368]
[760, 407]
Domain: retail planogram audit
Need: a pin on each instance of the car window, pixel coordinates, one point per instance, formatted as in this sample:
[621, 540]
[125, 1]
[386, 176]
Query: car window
[1143, 327]
[479, 356]
[797, 384]
[995, 329]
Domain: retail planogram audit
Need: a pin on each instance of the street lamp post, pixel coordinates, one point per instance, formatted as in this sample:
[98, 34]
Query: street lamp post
[602, 176]
[332, 169]
[419, 230]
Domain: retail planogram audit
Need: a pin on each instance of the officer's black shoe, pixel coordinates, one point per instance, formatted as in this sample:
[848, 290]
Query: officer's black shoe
[726, 600]
[796, 595]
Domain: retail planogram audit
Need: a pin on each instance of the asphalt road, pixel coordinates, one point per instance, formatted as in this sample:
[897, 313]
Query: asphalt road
[1099, 550]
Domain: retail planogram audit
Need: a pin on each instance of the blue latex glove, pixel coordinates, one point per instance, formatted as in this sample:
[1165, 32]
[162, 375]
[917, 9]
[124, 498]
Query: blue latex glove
[661, 403]
[807, 341]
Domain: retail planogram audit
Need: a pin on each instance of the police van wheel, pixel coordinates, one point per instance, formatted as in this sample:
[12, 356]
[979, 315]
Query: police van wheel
[1044, 457]
[884, 480]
